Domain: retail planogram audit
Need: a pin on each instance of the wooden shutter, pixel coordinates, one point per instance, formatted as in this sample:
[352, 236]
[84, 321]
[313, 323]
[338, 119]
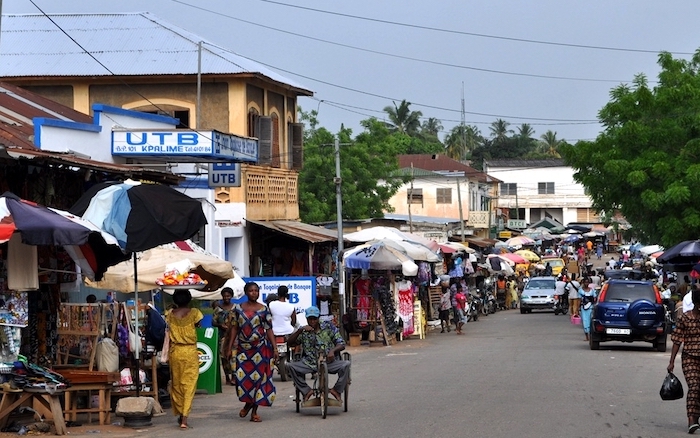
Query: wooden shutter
[264, 131]
[297, 146]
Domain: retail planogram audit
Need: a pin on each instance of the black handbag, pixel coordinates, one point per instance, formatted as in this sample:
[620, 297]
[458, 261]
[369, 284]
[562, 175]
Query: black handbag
[672, 388]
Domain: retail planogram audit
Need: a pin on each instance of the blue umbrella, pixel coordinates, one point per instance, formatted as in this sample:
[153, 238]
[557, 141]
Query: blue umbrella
[572, 238]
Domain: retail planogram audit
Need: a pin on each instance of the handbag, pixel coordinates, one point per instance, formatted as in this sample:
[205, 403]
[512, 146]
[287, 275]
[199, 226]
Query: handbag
[672, 388]
[165, 352]
[134, 338]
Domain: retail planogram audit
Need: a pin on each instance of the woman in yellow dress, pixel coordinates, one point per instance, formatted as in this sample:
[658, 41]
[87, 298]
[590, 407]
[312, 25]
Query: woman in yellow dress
[184, 359]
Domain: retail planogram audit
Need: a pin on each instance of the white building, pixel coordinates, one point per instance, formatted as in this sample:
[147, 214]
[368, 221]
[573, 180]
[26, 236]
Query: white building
[536, 189]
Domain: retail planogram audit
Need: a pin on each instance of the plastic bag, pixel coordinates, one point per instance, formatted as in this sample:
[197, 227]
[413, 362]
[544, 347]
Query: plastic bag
[107, 356]
[672, 388]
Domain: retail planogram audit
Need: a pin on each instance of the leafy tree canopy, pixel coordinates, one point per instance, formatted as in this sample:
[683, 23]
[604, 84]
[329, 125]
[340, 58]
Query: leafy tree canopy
[646, 162]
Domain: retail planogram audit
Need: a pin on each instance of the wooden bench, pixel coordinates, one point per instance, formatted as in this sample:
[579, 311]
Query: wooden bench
[48, 405]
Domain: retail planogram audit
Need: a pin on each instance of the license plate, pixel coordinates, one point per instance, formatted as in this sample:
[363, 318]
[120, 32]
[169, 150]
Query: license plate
[617, 331]
[281, 348]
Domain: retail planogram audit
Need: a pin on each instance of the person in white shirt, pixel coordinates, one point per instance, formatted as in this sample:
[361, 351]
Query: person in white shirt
[284, 314]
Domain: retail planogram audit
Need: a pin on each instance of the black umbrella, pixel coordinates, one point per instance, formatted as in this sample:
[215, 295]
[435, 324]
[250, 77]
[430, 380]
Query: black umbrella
[683, 253]
[141, 217]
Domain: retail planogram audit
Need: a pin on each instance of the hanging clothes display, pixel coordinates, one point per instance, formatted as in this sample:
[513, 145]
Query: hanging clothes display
[405, 311]
[387, 305]
[363, 303]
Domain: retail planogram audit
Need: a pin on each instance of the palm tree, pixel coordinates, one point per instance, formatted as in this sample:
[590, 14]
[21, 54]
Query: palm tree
[431, 127]
[462, 140]
[550, 144]
[403, 119]
[499, 131]
[525, 131]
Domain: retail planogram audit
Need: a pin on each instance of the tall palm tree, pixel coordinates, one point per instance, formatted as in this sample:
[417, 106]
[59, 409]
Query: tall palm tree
[403, 119]
[431, 127]
[525, 131]
[499, 131]
[462, 140]
[550, 144]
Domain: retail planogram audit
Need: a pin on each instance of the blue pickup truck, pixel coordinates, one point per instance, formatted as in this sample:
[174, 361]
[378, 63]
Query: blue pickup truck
[629, 311]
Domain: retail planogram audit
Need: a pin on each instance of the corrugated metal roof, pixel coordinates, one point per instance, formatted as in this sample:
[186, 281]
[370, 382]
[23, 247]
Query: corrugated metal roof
[300, 230]
[128, 44]
[516, 162]
[442, 163]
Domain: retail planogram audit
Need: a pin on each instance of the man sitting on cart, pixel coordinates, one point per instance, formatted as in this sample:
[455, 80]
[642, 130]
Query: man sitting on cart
[314, 338]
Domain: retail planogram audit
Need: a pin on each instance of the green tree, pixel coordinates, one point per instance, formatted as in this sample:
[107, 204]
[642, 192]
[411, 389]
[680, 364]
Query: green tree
[403, 119]
[462, 140]
[499, 131]
[550, 144]
[646, 162]
[367, 163]
[431, 127]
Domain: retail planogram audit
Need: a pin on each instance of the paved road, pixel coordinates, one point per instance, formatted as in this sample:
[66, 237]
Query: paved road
[511, 375]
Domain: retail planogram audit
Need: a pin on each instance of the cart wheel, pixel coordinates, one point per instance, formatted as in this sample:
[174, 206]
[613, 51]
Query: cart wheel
[282, 368]
[348, 357]
[297, 398]
[323, 387]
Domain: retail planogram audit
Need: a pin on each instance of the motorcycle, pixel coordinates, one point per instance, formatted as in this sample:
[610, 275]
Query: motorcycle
[473, 310]
[490, 303]
[561, 304]
[285, 355]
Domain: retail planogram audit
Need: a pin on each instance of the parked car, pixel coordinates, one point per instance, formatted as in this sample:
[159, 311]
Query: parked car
[538, 294]
[629, 311]
[556, 263]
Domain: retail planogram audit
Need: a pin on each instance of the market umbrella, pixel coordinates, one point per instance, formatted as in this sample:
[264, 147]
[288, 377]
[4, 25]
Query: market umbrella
[685, 252]
[379, 233]
[650, 249]
[379, 256]
[412, 250]
[526, 253]
[517, 258]
[572, 238]
[152, 263]
[520, 241]
[94, 251]
[141, 217]
[457, 247]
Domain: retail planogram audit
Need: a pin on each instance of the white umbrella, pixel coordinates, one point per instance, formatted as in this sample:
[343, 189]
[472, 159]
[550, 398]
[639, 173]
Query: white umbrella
[379, 233]
[413, 250]
[650, 249]
[379, 256]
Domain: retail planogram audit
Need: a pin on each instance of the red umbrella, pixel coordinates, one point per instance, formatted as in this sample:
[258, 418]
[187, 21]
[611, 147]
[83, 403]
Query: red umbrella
[515, 258]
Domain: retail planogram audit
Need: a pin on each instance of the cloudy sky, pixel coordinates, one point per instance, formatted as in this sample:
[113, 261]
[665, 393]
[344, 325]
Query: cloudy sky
[549, 63]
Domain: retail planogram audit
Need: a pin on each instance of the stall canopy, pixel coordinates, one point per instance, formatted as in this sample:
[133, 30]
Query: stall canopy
[378, 255]
[379, 233]
[151, 266]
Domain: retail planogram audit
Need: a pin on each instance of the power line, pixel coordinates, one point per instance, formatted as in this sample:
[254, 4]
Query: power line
[480, 35]
[393, 55]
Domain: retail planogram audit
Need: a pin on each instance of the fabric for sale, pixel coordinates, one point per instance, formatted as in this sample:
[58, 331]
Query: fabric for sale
[23, 268]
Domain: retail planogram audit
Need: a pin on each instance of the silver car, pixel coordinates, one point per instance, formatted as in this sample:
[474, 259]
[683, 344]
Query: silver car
[538, 294]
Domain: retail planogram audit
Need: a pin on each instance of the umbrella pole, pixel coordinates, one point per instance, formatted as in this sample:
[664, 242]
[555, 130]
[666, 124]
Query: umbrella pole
[136, 325]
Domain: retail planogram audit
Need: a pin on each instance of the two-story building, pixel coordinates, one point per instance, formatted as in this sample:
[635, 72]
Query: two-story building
[445, 192]
[532, 190]
[136, 61]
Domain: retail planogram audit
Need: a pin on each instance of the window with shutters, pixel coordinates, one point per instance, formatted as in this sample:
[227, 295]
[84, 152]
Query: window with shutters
[414, 196]
[509, 189]
[253, 116]
[263, 132]
[296, 145]
[545, 188]
[443, 196]
[276, 150]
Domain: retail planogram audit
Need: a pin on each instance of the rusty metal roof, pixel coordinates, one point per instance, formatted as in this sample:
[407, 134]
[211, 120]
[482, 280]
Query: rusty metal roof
[127, 44]
[300, 230]
[442, 163]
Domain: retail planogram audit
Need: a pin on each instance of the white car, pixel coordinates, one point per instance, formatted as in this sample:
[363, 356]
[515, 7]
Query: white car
[538, 294]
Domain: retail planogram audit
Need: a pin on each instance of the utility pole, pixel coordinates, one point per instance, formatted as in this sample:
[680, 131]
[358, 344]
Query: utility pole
[199, 85]
[339, 212]
[463, 129]
[461, 216]
[410, 202]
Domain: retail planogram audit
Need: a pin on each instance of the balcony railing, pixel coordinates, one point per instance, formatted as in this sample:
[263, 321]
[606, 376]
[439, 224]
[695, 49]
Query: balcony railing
[478, 219]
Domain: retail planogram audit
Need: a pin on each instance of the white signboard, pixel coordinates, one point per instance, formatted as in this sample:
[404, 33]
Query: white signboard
[173, 143]
[302, 292]
[517, 223]
[225, 175]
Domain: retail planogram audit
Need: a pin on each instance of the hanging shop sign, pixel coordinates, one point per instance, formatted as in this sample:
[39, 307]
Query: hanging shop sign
[302, 292]
[183, 144]
[224, 175]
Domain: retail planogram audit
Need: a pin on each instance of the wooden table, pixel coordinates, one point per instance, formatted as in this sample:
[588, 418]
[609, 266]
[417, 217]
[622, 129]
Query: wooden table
[48, 405]
[104, 394]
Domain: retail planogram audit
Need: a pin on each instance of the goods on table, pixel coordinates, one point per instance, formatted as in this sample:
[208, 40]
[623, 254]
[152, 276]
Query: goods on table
[177, 278]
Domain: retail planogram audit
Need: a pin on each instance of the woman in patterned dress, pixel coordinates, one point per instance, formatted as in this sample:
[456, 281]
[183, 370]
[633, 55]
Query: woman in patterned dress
[250, 333]
[184, 359]
[687, 332]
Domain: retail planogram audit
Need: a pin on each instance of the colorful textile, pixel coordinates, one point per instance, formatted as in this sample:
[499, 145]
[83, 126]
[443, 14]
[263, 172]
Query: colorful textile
[691, 372]
[184, 360]
[405, 310]
[253, 371]
[324, 340]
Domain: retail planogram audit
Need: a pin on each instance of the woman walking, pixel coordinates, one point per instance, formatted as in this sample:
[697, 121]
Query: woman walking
[687, 333]
[250, 333]
[588, 295]
[220, 320]
[183, 357]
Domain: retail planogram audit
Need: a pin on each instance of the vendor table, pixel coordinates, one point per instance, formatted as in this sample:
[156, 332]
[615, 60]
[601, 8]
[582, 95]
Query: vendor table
[104, 394]
[48, 405]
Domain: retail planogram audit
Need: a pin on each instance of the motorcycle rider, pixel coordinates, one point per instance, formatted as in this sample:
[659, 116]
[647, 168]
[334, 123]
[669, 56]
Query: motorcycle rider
[284, 314]
[318, 336]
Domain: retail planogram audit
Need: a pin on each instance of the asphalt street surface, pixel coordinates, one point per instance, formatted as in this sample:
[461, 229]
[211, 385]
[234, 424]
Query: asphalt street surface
[509, 375]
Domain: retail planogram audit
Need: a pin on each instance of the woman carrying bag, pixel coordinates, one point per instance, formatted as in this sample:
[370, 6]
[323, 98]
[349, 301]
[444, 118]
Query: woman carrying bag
[687, 333]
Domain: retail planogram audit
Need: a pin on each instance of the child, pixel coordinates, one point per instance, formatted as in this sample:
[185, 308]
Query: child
[445, 307]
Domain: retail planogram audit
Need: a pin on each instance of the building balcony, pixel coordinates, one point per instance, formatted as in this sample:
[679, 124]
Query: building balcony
[268, 193]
